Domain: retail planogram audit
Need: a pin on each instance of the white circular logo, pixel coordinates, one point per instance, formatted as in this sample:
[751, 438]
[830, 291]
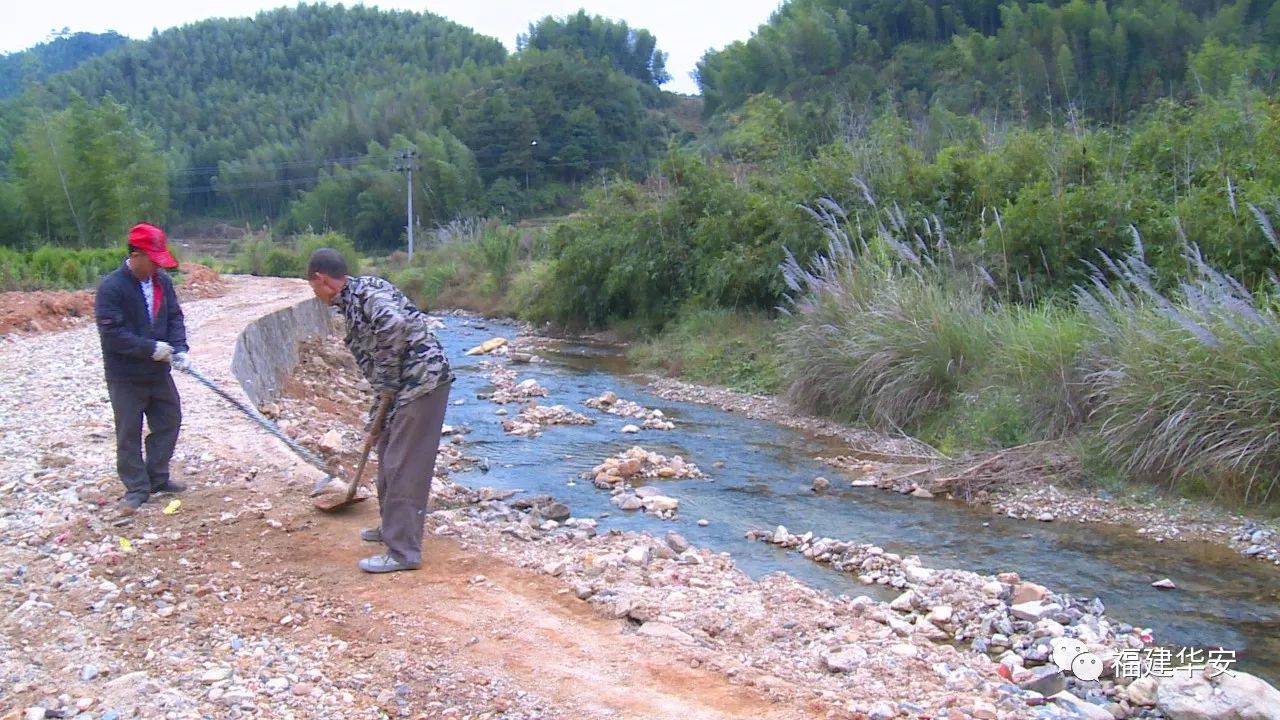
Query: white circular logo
[1087, 666]
[1065, 650]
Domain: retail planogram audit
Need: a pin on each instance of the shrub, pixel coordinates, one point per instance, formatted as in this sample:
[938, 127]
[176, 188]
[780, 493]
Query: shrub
[263, 256]
[733, 348]
[51, 267]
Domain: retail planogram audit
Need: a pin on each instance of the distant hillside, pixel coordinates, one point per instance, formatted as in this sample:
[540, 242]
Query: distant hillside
[49, 58]
[213, 90]
[296, 118]
[1026, 59]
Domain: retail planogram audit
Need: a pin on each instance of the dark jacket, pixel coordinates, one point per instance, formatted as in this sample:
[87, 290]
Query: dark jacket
[127, 333]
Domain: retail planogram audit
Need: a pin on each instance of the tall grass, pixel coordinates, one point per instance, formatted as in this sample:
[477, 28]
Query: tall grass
[1172, 380]
[1187, 382]
[888, 326]
[1035, 356]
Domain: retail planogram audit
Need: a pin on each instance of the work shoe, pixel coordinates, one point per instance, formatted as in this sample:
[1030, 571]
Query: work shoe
[169, 486]
[127, 507]
[384, 564]
[371, 534]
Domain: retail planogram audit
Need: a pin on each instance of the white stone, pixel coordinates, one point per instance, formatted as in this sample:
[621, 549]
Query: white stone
[1143, 691]
[940, 615]
[215, 675]
[1033, 611]
[905, 650]
[667, 631]
[1222, 697]
[844, 659]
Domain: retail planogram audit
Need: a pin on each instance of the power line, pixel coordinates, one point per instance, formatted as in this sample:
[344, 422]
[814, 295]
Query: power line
[285, 182]
[349, 160]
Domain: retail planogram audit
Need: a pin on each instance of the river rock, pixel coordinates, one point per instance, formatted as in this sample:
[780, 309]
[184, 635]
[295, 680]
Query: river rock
[1142, 691]
[1046, 680]
[667, 631]
[215, 675]
[1165, 584]
[1033, 611]
[1222, 697]
[638, 555]
[1028, 592]
[629, 502]
[556, 511]
[660, 503]
[332, 441]
[821, 484]
[1082, 708]
[844, 659]
[940, 615]
[676, 542]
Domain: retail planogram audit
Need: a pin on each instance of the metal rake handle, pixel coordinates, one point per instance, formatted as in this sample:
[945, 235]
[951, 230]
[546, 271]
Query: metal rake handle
[252, 413]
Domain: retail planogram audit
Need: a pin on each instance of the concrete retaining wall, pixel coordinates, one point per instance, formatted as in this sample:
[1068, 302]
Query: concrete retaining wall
[267, 350]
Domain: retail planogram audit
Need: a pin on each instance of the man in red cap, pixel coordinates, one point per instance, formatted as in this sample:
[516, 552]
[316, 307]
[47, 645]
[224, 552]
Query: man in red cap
[143, 335]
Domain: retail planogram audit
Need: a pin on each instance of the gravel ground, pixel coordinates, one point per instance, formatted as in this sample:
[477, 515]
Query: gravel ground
[243, 600]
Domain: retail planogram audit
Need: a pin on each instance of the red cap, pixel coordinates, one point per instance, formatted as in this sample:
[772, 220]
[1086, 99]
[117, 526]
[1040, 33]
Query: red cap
[151, 240]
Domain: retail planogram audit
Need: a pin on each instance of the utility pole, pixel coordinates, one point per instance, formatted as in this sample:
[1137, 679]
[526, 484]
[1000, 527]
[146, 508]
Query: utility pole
[405, 165]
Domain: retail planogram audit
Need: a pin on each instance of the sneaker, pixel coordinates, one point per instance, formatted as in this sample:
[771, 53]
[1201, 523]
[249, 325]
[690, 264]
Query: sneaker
[170, 487]
[384, 564]
[371, 534]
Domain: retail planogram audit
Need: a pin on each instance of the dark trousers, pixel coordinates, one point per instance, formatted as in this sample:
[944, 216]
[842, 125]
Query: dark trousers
[406, 463]
[156, 399]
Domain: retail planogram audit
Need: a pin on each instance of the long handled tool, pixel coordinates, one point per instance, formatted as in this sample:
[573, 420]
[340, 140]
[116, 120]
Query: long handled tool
[335, 502]
[252, 413]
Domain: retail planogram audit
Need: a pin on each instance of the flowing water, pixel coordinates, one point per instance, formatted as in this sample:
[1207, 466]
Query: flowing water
[1222, 599]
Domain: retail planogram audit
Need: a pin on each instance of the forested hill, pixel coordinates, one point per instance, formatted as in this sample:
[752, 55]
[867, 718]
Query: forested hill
[212, 91]
[1103, 58]
[50, 58]
[295, 117]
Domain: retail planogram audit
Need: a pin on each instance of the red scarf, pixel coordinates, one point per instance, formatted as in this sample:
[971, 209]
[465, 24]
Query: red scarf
[158, 294]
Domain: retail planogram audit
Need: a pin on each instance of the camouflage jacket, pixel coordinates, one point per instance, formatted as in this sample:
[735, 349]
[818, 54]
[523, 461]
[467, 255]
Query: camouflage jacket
[391, 340]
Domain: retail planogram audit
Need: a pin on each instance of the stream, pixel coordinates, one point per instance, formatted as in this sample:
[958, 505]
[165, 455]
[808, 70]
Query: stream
[1222, 599]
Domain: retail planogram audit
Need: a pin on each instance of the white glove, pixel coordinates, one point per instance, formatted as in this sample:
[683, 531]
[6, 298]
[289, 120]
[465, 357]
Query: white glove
[163, 351]
[180, 361]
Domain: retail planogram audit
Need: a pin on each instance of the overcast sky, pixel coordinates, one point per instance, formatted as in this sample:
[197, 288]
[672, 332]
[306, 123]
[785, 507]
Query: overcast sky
[685, 28]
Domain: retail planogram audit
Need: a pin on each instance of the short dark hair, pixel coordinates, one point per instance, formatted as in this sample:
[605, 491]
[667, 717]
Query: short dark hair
[327, 261]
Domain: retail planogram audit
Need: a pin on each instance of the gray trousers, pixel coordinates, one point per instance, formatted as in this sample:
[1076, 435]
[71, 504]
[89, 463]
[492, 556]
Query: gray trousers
[406, 463]
[156, 399]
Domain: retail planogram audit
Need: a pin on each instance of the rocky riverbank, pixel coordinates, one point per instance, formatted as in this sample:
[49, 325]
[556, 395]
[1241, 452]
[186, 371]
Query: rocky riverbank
[1032, 486]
